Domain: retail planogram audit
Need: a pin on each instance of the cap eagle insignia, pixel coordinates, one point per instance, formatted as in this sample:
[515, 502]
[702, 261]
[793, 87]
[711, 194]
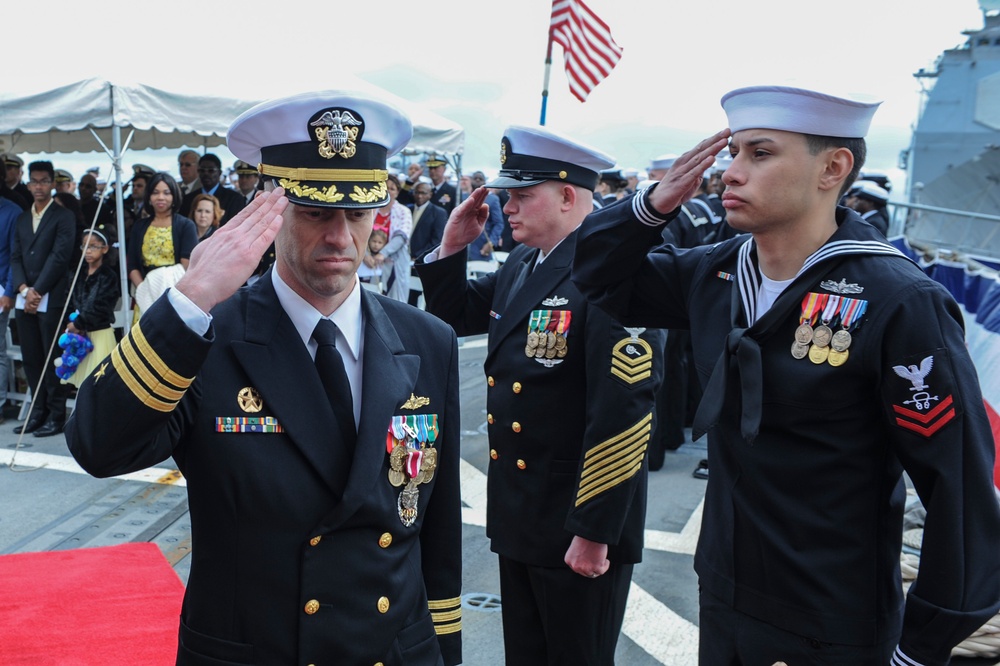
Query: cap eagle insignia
[914, 374]
[337, 130]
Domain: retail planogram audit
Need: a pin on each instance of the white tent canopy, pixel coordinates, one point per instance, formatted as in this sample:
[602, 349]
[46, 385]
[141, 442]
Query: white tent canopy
[66, 120]
[60, 120]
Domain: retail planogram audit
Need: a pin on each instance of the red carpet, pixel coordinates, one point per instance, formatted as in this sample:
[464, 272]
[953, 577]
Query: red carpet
[89, 607]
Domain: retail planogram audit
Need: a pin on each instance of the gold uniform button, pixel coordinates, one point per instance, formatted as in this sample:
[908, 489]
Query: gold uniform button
[489, 419]
[385, 540]
[383, 605]
[493, 454]
[311, 607]
[315, 540]
[517, 387]
[521, 464]
[516, 427]
[489, 380]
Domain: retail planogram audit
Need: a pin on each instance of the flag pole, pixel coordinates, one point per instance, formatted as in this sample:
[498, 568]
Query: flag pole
[545, 84]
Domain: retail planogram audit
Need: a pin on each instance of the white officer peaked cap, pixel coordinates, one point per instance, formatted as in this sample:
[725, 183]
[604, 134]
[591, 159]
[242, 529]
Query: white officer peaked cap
[327, 148]
[870, 190]
[797, 110]
[532, 155]
[662, 162]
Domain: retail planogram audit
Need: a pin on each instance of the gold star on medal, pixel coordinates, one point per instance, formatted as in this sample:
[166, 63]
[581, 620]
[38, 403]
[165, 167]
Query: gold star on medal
[100, 372]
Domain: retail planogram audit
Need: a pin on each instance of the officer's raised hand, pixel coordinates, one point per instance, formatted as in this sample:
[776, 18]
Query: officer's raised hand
[682, 180]
[465, 223]
[222, 263]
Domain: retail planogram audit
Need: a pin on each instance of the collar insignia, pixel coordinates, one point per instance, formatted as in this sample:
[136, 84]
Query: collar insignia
[555, 301]
[841, 287]
[415, 402]
[337, 130]
[100, 372]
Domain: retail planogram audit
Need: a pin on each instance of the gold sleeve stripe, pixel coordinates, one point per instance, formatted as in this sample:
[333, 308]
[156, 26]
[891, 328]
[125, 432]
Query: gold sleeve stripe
[155, 362]
[614, 460]
[444, 604]
[446, 616]
[628, 378]
[625, 475]
[608, 443]
[624, 458]
[141, 392]
[444, 629]
[140, 370]
[612, 471]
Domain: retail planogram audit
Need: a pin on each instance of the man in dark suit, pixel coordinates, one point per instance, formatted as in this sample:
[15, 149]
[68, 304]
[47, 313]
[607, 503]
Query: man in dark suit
[569, 407]
[210, 173]
[324, 495]
[13, 173]
[39, 261]
[428, 227]
[444, 193]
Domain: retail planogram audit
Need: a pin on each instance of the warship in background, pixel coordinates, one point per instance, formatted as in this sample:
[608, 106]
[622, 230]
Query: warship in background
[953, 162]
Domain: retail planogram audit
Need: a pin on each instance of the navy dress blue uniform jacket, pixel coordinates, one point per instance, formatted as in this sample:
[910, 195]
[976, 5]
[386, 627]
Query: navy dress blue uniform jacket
[567, 439]
[299, 554]
[802, 527]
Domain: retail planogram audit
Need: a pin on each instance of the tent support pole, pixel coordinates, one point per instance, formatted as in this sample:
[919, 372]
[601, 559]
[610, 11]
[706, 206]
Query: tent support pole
[116, 144]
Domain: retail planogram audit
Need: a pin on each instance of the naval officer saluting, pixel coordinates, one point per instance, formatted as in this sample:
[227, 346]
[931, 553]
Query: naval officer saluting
[324, 494]
[570, 407]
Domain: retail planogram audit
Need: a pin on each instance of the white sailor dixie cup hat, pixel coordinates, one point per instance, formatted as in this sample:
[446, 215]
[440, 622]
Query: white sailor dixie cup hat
[532, 155]
[798, 110]
[327, 149]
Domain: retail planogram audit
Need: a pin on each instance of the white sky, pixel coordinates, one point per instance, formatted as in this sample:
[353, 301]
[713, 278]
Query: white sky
[481, 63]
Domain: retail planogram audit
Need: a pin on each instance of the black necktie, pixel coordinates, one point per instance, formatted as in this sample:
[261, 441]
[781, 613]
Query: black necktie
[330, 366]
[523, 271]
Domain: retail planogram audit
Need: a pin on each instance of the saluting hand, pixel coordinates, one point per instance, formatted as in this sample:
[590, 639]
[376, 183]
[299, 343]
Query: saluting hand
[222, 263]
[682, 180]
[465, 223]
[587, 558]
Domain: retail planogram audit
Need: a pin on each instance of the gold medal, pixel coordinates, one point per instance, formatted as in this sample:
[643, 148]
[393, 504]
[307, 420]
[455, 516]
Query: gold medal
[818, 355]
[396, 477]
[837, 358]
[550, 340]
[803, 335]
[822, 335]
[841, 340]
[561, 353]
[532, 339]
[800, 350]
[560, 341]
[551, 353]
[540, 351]
[529, 351]
[396, 461]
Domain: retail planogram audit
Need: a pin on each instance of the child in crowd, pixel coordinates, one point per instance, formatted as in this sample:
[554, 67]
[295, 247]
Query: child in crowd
[370, 270]
[94, 297]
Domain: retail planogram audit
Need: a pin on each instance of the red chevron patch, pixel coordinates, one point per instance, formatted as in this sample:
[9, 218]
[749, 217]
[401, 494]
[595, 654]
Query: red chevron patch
[929, 423]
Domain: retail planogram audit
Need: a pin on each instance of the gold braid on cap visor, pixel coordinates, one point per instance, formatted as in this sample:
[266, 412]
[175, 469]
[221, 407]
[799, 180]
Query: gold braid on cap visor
[290, 179]
[326, 175]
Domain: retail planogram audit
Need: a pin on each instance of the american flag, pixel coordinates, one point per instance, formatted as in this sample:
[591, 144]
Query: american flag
[588, 49]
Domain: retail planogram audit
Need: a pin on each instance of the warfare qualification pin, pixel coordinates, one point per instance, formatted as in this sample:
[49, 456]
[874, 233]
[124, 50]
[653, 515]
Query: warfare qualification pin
[249, 400]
